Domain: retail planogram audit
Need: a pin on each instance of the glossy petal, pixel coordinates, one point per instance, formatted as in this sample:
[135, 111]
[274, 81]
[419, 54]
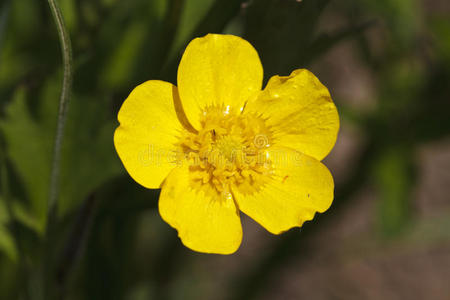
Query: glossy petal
[148, 131]
[301, 113]
[206, 221]
[217, 70]
[299, 186]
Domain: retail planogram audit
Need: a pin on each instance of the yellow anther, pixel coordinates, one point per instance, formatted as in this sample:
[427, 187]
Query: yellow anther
[224, 152]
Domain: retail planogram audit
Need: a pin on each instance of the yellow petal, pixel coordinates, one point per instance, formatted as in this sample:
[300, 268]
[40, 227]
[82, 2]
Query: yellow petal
[301, 113]
[148, 131]
[217, 70]
[206, 222]
[299, 186]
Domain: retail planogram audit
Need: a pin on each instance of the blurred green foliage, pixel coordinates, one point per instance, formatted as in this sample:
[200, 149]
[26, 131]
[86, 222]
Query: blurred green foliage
[108, 241]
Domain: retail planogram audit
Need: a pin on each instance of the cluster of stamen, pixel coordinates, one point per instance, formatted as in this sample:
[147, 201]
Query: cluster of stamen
[228, 149]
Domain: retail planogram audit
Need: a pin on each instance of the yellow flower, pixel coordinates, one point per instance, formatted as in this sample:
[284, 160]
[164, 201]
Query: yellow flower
[217, 144]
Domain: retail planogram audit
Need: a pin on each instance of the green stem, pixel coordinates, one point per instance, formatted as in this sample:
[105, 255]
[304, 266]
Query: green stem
[63, 103]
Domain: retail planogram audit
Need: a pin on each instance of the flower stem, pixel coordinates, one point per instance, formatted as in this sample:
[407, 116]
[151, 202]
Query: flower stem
[66, 49]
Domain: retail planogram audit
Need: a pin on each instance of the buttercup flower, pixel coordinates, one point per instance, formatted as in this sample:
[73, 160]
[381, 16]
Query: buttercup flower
[217, 144]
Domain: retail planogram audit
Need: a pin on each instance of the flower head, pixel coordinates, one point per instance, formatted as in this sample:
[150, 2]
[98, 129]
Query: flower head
[217, 144]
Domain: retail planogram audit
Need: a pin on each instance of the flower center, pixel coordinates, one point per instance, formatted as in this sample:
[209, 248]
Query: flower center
[228, 149]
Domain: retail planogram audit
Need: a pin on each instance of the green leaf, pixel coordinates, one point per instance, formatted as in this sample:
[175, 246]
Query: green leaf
[88, 156]
[441, 31]
[69, 10]
[394, 179]
[193, 12]
[28, 148]
[282, 32]
[7, 243]
[123, 57]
